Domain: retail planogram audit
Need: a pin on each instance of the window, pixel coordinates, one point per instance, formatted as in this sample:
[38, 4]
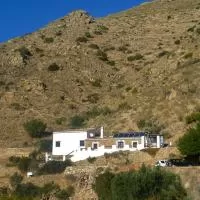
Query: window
[120, 144]
[82, 143]
[134, 144]
[95, 145]
[57, 143]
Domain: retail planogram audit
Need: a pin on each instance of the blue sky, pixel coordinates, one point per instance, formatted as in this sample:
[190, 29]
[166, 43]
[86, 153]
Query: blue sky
[18, 17]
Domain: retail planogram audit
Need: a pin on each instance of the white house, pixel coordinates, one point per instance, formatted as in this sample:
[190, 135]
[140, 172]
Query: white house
[81, 144]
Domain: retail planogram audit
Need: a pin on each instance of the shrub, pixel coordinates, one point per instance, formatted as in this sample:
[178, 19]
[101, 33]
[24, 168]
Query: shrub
[24, 164]
[14, 159]
[91, 159]
[111, 62]
[38, 50]
[88, 35]
[53, 67]
[124, 106]
[194, 117]
[151, 151]
[16, 179]
[97, 32]
[102, 185]
[177, 42]
[49, 187]
[93, 98]
[45, 145]
[48, 40]
[59, 33]
[96, 83]
[198, 30]
[53, 167]
[81, 39]
[77, 121]
[138, 56]
[189, 144]
[25, 53]
[123, 48]
[188, 55]
[102, 28]
[27, 190]
[35, 128]
[62, 195]
[16, 106]
[151, 126]
[191, 29]
[102, 55]
[60, 120]
[163, 53]
[94, 46]
[145, 184]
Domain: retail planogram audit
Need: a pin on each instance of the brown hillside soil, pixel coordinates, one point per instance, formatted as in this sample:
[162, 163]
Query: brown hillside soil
[143, 63]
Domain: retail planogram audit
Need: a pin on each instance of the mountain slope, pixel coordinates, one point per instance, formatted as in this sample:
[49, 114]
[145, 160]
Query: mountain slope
[140, 64]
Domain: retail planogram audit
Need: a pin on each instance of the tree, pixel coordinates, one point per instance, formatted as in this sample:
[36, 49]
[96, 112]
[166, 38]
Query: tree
[16, 179]
[103, 186]
[77, 121]
[144, 184]
[35, 128]
[189, 144]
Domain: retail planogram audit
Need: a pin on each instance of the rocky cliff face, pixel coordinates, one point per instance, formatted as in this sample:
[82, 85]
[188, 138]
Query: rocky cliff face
[141, 64]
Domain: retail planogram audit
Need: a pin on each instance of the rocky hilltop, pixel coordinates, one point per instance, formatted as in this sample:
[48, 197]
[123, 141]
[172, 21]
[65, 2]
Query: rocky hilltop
[140, 64]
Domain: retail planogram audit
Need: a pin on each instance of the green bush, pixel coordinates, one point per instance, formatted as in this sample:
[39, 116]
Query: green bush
[61, 120]
[189, 144]
[194, 117]
[145, 184]
[102, 186]
[77, 121]
[25, 53]
[88, 35]
[27, 190]
[53, 67]
[151, 126]
[95, 111]
[45, 145]
[16, 179]
[35, 128]
[48, 40]
[102, 28]
[22, 163]
[54, 167]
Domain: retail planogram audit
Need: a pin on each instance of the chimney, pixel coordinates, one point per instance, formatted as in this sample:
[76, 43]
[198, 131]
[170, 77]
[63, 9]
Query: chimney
[101, 132]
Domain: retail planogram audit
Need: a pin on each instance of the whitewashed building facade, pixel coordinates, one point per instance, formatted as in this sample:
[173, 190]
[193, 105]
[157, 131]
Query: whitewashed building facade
[81, 144]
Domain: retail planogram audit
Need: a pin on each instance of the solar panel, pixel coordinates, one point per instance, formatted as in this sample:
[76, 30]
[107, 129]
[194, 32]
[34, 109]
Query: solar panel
[129, 134]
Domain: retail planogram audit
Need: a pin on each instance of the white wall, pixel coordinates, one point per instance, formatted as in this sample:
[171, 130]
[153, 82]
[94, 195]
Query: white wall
[69, 141]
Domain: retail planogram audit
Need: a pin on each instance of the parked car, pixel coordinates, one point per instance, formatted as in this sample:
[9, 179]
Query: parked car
[179, 162]
[162, 163]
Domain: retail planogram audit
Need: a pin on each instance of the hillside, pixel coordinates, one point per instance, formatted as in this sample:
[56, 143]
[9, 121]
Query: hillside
[139, 64]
